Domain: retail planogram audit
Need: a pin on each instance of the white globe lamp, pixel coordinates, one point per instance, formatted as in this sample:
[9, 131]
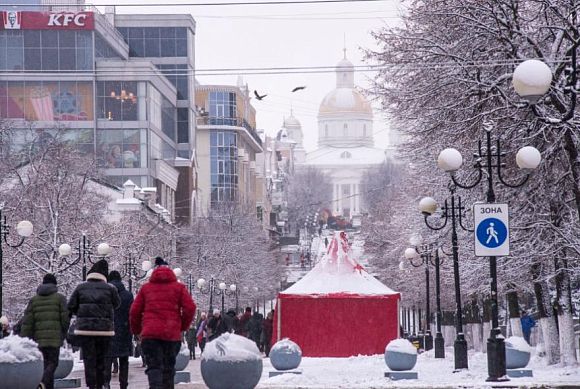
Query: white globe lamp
[410, 253]
[65, 249]
[103, 249]
[146, 266]
[428, 205]
[528, 157]
[200, 283]
[532, 79]
[24, 228]
[449, 160]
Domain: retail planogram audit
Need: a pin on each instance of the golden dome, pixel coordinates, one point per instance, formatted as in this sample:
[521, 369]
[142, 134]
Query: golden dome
[343, 100]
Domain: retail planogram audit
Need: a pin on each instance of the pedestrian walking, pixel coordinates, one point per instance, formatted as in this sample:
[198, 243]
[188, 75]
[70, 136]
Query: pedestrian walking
[122, 342]
[231, 320]
[244, 321]
[5, 324]
[201, 331]
[94, 302]
[267, 327]
[191, 339]
[527, 324]
[216, 326]
[255, 328]
[161, 312]
[46, 321]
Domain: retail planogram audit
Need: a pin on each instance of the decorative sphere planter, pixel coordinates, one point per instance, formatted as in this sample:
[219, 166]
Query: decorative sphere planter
[517, 353]
[21, 364]
[64, 368]
[285, 355]
[231, 361]
[400, 355]
[182, 358]
[23, 375]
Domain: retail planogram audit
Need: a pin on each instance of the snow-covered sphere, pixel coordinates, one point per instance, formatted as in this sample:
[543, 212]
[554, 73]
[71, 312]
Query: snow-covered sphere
[517, 352]
[428, 205]
[65, 363]
[231, 361]
[24, 228]
[182, 359]
[528, 157]
[410, 253]
[531, 79]
[449, 160]
[400, 354]
[21, 364]
[285, 355]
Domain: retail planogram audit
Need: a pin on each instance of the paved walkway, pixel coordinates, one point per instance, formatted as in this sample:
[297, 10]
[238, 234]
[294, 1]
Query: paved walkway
[138, 379]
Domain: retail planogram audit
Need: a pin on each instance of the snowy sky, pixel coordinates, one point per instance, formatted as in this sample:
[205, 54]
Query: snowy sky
[298, 35]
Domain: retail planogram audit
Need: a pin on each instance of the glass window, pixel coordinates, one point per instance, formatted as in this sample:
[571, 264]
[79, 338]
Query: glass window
[182, 125]
[156, 41]
[168, 112]
[117, 100]
[223, 166]
[118, 148]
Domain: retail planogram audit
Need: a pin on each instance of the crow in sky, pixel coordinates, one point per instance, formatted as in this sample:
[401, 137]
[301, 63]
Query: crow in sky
[298, 88]
[258, 96]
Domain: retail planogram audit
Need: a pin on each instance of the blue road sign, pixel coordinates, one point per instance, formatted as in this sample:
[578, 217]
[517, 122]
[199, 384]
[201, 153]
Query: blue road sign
[491, 232]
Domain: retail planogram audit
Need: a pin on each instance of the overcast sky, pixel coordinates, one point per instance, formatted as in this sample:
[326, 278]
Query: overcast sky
[276, 36]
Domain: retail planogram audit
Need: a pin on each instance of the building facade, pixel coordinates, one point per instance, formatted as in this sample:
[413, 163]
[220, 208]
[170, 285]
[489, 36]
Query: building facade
[345, 142]
[120, 87]
[227, 145]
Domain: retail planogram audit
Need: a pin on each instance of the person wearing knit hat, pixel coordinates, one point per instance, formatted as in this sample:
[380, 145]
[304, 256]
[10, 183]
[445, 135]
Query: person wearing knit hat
[46, 321]
[94, 302]
[161, 313]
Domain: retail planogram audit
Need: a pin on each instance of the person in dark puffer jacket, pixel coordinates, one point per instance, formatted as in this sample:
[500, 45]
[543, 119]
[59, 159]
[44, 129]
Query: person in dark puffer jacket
[46, 321]
[162, 311]
[94, 303]
[121, 343]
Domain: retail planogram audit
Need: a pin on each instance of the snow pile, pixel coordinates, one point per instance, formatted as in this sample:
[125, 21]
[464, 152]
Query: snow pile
[402, 346]
[338, 272]
[518, 343]
[14, 349]
[286, 346]
[65, 354]
[231, 348]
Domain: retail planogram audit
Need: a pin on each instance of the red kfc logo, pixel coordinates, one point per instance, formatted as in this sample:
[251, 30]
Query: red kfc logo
[11, 20]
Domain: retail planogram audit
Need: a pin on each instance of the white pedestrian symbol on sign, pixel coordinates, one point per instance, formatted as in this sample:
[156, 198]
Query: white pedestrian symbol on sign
[491, 234]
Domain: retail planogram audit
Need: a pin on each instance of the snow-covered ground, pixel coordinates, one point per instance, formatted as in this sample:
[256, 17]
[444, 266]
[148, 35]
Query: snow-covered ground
[368, 372]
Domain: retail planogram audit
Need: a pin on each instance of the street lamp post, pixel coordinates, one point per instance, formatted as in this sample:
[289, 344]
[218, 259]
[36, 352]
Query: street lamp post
[132, 272]
[211, 290]
[451, 210]
[425, 253]
[527, 158]
[24, 229]
[85, 252]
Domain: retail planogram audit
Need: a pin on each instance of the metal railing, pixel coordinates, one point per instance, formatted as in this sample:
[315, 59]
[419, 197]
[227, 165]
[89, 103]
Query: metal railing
[224, 121]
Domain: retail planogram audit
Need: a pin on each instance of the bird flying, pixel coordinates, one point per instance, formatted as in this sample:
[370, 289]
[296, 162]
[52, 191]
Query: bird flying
[298, 88]
[258, 96]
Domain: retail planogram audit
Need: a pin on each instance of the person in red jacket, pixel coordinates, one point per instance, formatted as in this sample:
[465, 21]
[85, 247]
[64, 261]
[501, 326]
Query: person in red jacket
[161, 312]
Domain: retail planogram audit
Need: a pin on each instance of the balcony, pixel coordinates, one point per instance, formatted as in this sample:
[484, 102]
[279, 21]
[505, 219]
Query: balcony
[223, 121]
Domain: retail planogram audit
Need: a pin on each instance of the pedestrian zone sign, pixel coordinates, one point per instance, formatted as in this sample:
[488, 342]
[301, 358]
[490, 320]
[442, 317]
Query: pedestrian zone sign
[492, 233]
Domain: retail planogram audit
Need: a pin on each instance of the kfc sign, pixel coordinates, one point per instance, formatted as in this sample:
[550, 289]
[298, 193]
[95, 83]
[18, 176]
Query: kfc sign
[28, 20]
[63, 19]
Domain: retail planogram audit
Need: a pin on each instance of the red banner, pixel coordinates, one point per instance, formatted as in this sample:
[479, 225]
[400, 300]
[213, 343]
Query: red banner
[29, 20]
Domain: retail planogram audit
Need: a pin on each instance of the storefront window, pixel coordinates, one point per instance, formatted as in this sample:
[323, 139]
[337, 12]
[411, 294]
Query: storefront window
[117, 148]
[46, 100]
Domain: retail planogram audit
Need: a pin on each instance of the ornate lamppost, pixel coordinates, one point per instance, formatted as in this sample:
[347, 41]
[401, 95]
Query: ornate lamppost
[131, 270]
[212, 290]
[85, 252]
[488, 160]
[452, 210]
[425, 252]
[24, 229]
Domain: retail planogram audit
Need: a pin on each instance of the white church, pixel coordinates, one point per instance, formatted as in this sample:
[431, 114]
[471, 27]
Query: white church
[345, 141]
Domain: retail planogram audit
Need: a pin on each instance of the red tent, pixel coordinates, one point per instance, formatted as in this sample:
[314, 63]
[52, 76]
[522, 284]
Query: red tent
[338, 309]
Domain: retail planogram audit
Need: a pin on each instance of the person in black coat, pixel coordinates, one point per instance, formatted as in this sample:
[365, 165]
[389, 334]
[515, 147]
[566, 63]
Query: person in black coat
[216, 325]
[231, 320]
[122, 342]
[255, 328]
[94, 303]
